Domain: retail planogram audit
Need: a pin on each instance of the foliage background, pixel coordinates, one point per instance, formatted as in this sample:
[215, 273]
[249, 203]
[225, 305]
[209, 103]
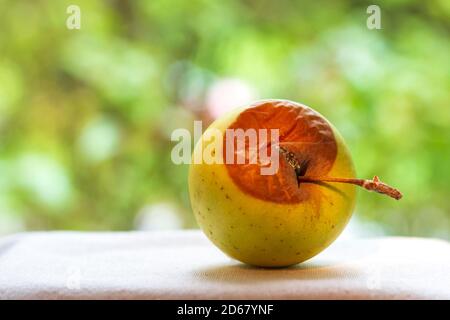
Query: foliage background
[86, 115]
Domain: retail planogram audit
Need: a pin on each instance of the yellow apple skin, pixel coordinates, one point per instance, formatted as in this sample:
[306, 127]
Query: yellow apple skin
[264, 233]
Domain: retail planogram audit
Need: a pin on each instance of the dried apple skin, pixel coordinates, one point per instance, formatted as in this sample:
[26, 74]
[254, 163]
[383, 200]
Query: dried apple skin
[267, 233]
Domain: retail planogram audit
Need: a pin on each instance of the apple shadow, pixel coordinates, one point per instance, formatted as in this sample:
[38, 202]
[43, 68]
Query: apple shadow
[242, 273]
[339, 261]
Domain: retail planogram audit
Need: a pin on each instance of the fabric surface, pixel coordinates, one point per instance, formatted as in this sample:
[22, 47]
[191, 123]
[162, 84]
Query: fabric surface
[185, 265]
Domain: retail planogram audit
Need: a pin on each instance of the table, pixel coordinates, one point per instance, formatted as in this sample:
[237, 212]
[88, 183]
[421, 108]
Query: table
[185, 265]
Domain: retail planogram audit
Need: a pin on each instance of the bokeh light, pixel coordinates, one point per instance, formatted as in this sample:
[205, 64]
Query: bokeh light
[86, 115]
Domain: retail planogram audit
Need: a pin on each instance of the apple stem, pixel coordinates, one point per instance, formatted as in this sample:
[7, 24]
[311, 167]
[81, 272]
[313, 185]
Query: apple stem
[371, 185]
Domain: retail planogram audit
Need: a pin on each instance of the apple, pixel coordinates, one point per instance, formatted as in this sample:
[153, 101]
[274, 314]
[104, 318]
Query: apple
[288, 217]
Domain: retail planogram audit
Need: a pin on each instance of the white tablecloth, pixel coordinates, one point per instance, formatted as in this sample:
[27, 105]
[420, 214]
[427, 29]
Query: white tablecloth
[185, 265]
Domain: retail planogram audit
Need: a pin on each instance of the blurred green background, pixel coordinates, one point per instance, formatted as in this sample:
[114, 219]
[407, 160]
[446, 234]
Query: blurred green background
[86, 115]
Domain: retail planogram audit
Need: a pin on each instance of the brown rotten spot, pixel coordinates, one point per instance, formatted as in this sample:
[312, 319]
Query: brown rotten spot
[307, 145]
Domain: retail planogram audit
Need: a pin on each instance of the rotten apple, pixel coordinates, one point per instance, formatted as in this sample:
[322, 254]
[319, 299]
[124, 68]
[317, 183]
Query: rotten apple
[286, 217]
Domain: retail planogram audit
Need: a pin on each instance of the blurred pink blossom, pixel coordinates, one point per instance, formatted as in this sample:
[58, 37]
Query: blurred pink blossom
[227, 94]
